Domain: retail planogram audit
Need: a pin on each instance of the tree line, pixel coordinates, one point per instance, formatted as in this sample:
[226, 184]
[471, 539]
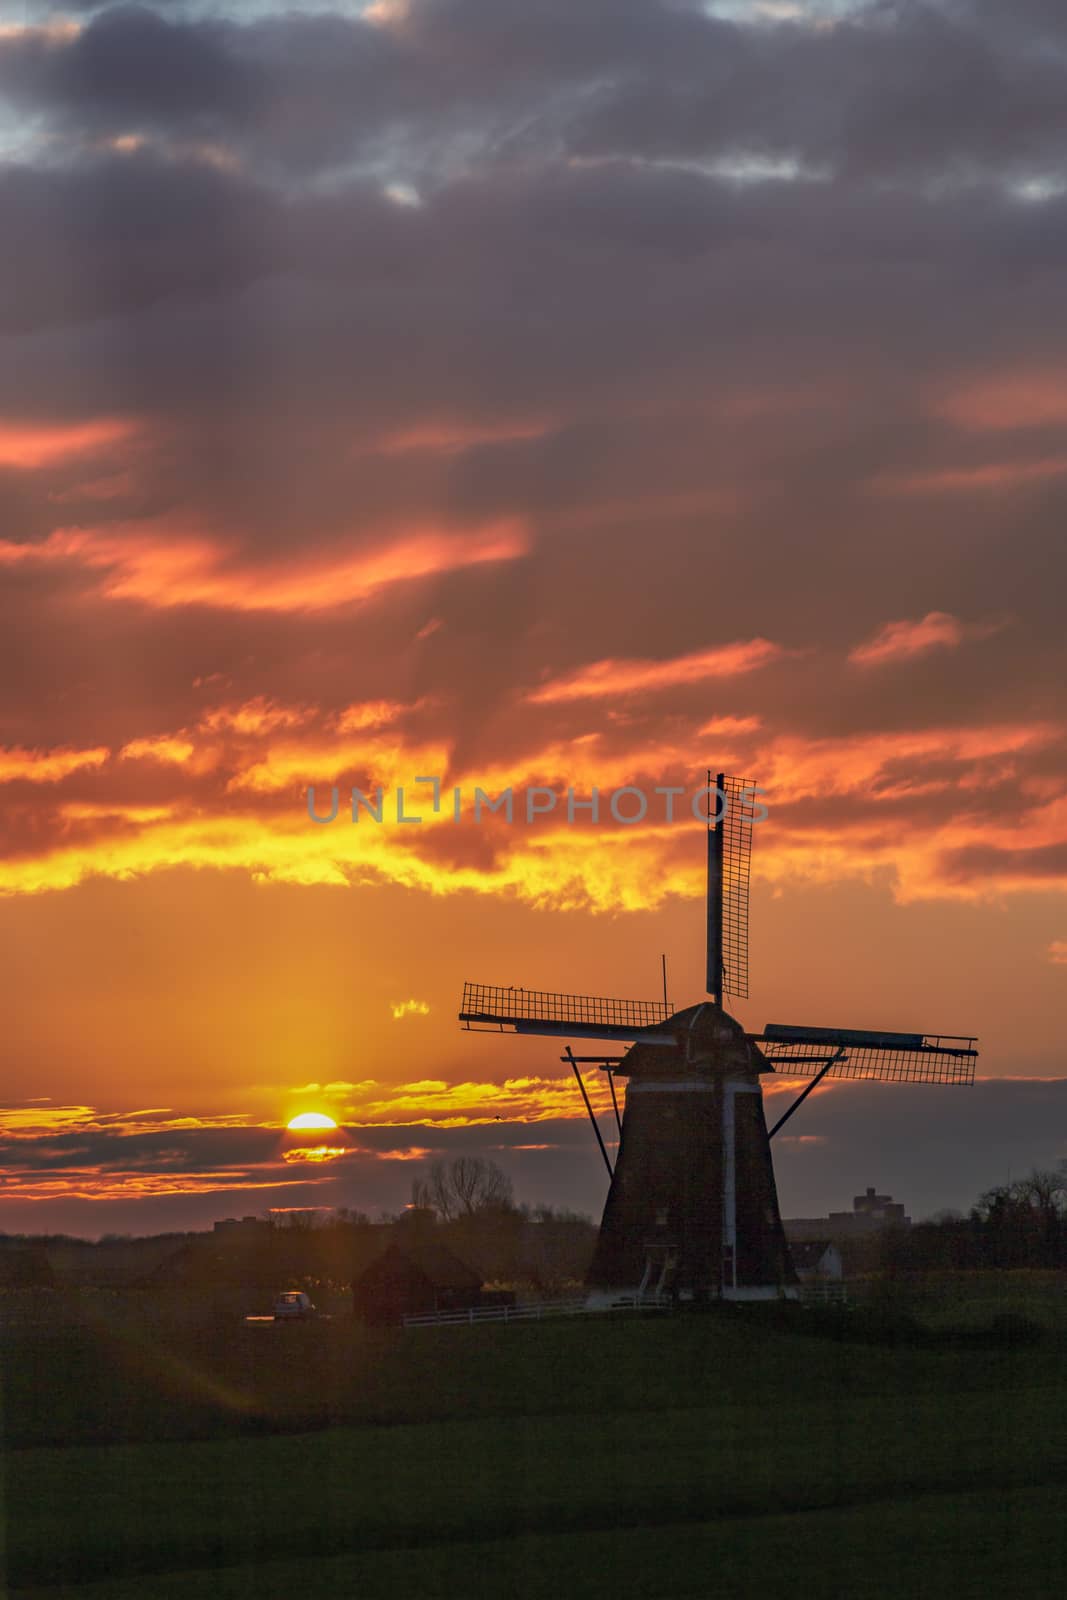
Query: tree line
[1013, 1225]
[469, 1203]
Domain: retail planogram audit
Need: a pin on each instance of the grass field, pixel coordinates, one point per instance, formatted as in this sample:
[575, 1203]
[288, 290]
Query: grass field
[715, 1455]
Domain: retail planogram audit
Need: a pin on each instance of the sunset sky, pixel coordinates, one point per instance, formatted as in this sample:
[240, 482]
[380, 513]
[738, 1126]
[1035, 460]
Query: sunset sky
[534, 393]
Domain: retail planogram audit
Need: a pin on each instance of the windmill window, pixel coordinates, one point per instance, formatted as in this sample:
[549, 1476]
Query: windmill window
[661, 1216]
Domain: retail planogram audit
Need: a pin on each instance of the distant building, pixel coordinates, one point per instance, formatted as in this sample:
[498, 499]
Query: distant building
[817, 1261]
[251, 1227]
[416, 1277]
[871, 1213]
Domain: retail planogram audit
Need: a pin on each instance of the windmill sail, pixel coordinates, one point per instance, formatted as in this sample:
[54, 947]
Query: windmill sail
[564, 1016]
[729, 863]
[895, 1057]
[713, 980]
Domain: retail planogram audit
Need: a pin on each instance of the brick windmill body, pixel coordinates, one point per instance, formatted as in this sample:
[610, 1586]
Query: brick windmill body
[692, 1209]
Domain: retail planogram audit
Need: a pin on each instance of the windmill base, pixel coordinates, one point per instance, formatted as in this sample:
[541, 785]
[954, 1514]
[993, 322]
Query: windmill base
[692, 1212]
[618, 1299]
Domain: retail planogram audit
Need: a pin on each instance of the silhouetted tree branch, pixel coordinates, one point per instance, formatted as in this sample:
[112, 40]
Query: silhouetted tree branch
[462, 1187]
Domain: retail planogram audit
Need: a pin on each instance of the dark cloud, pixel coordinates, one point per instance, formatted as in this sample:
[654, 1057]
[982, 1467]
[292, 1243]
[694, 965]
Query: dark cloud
[987, 861]
[928, 88]
[140, 231]
[135, 63]
[289, 84]
[177, 1150]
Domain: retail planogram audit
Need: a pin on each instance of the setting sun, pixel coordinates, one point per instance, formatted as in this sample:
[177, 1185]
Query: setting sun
[310, 1119]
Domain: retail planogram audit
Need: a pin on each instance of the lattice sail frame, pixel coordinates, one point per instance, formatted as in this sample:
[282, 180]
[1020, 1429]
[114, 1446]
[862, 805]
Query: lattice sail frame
[490, 1005]
[935, 1061]
[736, 859]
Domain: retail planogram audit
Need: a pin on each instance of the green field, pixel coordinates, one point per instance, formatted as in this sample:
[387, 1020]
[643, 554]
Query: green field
[725, 1454]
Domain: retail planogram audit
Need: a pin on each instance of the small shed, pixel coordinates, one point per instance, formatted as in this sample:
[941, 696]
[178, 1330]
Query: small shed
[817, 1261]
[416, 1277]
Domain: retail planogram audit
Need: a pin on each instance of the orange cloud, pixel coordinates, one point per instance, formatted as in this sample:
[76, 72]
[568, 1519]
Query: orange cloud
[457, 1105]
[315, 1153]
[901, 641]
[37, 1118]
[603, 679]
[257, 716]
[40, 1117]
[175, 751]
[394, 763]
[161, 570]
[339, 1088]
[47, 766]
[730, 727]
[30, 445]
[993, 475]
[371, 714]
[831, 814]
[91, 1184]
[794, 768]
[387, 13]
[410, 1008]
[114, 810]
[1021, 399]
[453, 438]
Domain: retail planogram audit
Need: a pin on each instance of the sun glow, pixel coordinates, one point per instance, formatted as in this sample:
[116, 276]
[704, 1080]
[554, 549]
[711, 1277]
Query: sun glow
[310, 1119]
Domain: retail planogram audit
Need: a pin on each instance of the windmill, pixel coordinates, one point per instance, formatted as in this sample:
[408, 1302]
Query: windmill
[692, 1209]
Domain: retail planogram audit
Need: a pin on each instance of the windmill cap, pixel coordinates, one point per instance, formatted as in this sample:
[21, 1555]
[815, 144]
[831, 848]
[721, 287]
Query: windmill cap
[704, 1039]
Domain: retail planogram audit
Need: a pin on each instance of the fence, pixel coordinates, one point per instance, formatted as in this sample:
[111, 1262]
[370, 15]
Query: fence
[825, 1293]
[536, 1310]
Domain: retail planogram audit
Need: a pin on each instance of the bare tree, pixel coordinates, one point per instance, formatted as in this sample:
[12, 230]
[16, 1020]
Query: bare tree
[301, 1221]
[461, 1187]
[1025, 1223]
[1043, 1194]
[1046, 1192]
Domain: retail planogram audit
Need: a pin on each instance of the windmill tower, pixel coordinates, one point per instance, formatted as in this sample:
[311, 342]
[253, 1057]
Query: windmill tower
[692, 1210]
